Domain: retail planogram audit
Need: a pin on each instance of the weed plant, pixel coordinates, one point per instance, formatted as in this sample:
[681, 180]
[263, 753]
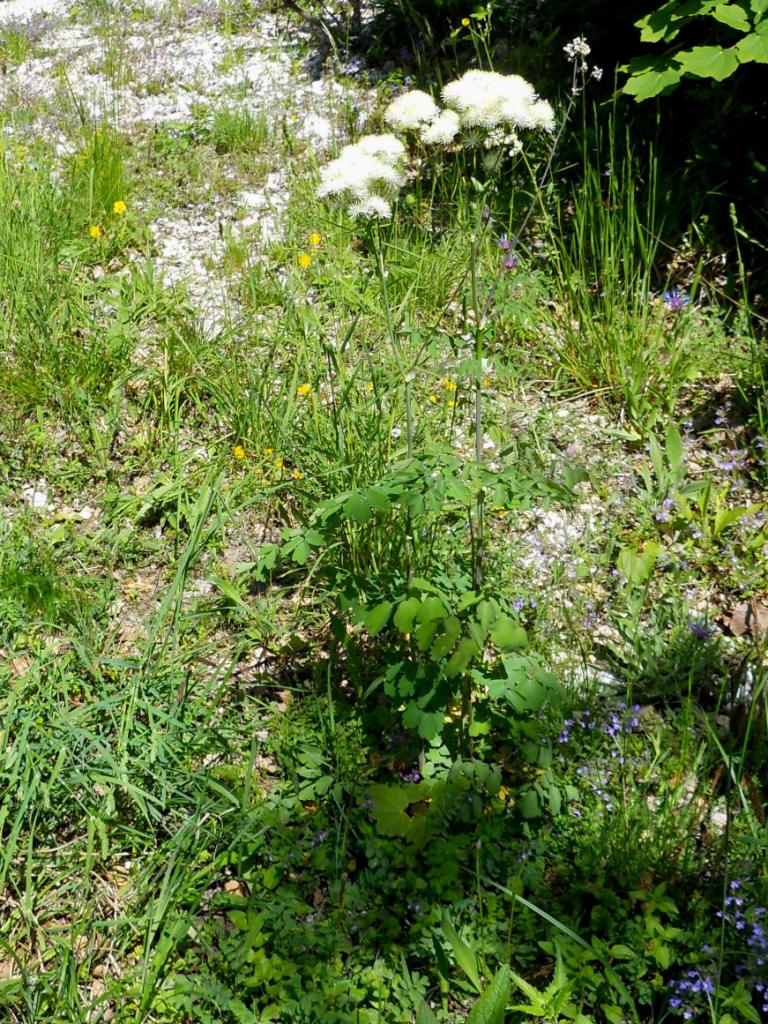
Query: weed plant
[290, 712]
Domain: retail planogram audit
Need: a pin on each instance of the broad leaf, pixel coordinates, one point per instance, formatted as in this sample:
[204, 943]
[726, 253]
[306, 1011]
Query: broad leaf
[754, 47]
[357, 508]
[389, 804]
[406, 613]
[708, 62]
[465, 957]
[648, 82]
[637, 566]
[424, 1015]
[508, 636]
[461, 658]
[377, 618]
[490, 1007]
[733, 16]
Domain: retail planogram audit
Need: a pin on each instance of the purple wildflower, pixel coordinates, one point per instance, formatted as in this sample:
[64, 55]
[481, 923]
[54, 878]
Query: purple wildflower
[700, 629]
[675, 300]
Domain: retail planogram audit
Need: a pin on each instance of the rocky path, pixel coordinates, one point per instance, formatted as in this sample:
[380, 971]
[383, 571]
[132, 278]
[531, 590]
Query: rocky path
[158, 64]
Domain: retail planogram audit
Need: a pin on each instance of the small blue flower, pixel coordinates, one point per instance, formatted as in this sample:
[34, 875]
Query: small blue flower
[675, 300]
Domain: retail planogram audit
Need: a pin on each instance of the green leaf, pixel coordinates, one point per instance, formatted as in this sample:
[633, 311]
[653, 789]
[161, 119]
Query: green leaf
[652, 81]
[708, 62]
[461, 657]
[555, 801]
[621, 952]
[528, 804]
[357, 508]
[432, 609]
[508, 636]
[733, 16]
[537, 999]
[675, 450]
[229, 591]
[406, 613]
[424, 1014]
[465, 957]
[490, 1007]
[636, 565]
[657, 458]
[377, 499]
[428, 724]
[378, 617]
[424, 635]
[754, 47]
[389, 804]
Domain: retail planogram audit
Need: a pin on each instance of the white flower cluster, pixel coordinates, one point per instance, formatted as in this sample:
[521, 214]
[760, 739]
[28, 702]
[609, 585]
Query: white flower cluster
[497, 104]
[367, 176]
[577, 49]
[486, 99]
[411, 111]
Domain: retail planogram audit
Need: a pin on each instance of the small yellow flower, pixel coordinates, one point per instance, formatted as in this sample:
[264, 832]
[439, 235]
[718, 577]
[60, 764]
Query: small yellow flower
[450, 385]
[369, 387]
[94, 231]
[433, 399]
[267, 452]
[487, 382]
[465, 22]
[453, 404]
[238, 451]
[297, 474]
[279, 463]
[305, 260]
[119, 207]
[315, 239]
[303, 389]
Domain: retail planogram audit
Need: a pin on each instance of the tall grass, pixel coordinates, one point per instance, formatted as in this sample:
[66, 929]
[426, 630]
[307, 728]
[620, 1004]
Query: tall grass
[613, 334]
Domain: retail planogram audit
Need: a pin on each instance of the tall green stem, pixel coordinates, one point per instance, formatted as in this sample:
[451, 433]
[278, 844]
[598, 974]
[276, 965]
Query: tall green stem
[393, 338]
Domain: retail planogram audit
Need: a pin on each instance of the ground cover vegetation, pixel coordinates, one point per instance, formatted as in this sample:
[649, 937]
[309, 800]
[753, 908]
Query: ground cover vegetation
[383, 539]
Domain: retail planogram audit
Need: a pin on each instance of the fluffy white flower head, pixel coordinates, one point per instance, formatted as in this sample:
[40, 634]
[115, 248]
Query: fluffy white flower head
[443, 129]
[542, 116]
[386, 147]
[366, 175]
[410, 111]
[486, 99]
[358, 173]
[372, 206]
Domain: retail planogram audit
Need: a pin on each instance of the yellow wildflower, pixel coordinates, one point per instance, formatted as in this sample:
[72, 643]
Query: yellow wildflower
[305, 260]
[487, 382]
[369, 387]
[119, 207]
[450, 385]
[465, 22]
[267, 452]
[453, 404]
[279, 463]
[238, 451]
[433, 399]
[297, 474]
[94, 231]
[315, 239]
[303, 389]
